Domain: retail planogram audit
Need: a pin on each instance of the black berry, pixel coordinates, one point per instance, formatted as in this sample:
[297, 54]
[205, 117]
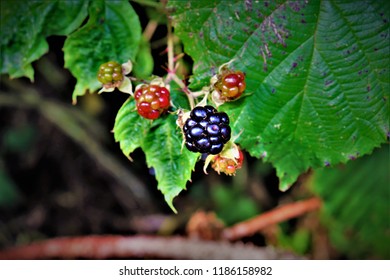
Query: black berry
[206, 130]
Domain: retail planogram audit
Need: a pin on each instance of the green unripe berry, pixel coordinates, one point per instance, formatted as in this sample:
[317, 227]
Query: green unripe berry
[110, 73]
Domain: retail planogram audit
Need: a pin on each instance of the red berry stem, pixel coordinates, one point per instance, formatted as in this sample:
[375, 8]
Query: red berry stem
[172, 69]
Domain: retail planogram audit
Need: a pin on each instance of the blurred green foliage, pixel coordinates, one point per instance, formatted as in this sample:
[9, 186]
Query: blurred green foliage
[232, 205]
[9, 192]
[356, 207]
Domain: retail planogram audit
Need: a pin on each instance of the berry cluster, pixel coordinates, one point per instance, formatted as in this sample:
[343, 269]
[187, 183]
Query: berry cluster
[110, 74]
[152, 101]
[227, 165]
[206, 130]
[231, 85]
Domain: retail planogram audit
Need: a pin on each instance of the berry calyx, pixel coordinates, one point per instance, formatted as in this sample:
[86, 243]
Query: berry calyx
[227, 165]
[152, 100]
[231, 85]
[110, 74]
[206, 130]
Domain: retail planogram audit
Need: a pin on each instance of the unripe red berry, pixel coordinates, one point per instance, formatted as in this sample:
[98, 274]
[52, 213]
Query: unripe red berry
[152, 101]
[227, 165]
[231, 85]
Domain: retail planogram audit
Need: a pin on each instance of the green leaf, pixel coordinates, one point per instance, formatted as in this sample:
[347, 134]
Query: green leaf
[130, 128]
[172, 164]
[179, 98]
[161, 141]
[25, 26]
[317, 74]
[143, 66]
[357, 205]
[113, 32]
[65, 16]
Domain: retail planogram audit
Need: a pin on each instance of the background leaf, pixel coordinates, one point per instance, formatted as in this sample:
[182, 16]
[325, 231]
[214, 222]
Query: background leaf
[245, 207]
[318, 73]
[25, 26]
[65, 16]
[113, 32]
[10, 195]
[161, 140]
[356, 205]
[143, 65]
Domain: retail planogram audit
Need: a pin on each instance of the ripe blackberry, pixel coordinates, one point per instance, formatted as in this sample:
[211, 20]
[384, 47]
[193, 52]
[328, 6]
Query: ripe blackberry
[231, 85]
[206, 130]
[152, 101]
[110, 73]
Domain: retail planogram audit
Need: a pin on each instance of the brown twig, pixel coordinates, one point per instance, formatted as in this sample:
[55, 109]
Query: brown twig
[280, 214]
[103, 247]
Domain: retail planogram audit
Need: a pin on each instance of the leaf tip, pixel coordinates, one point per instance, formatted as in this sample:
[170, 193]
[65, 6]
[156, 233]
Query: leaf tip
[284, 185]
[169, 201]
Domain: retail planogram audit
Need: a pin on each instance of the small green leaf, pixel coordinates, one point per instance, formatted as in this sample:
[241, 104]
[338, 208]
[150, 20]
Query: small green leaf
[317, 73]
[161, 140]
[130, 128]
[356, 205]
[25, 26]
[113, 32]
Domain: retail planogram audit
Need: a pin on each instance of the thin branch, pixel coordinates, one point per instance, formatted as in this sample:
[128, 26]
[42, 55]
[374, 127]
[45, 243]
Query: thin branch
[150, 29]
[103, 247]
[171, 67]
[280, 214]
[171, 62]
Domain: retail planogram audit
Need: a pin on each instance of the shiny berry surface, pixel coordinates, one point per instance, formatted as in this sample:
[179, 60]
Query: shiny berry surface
[231, 85]
[206, 130]
[110, 73]
[152, 101]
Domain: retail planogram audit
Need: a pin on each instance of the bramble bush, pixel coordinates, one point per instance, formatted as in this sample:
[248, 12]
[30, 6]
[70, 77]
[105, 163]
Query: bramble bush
[315, 74]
